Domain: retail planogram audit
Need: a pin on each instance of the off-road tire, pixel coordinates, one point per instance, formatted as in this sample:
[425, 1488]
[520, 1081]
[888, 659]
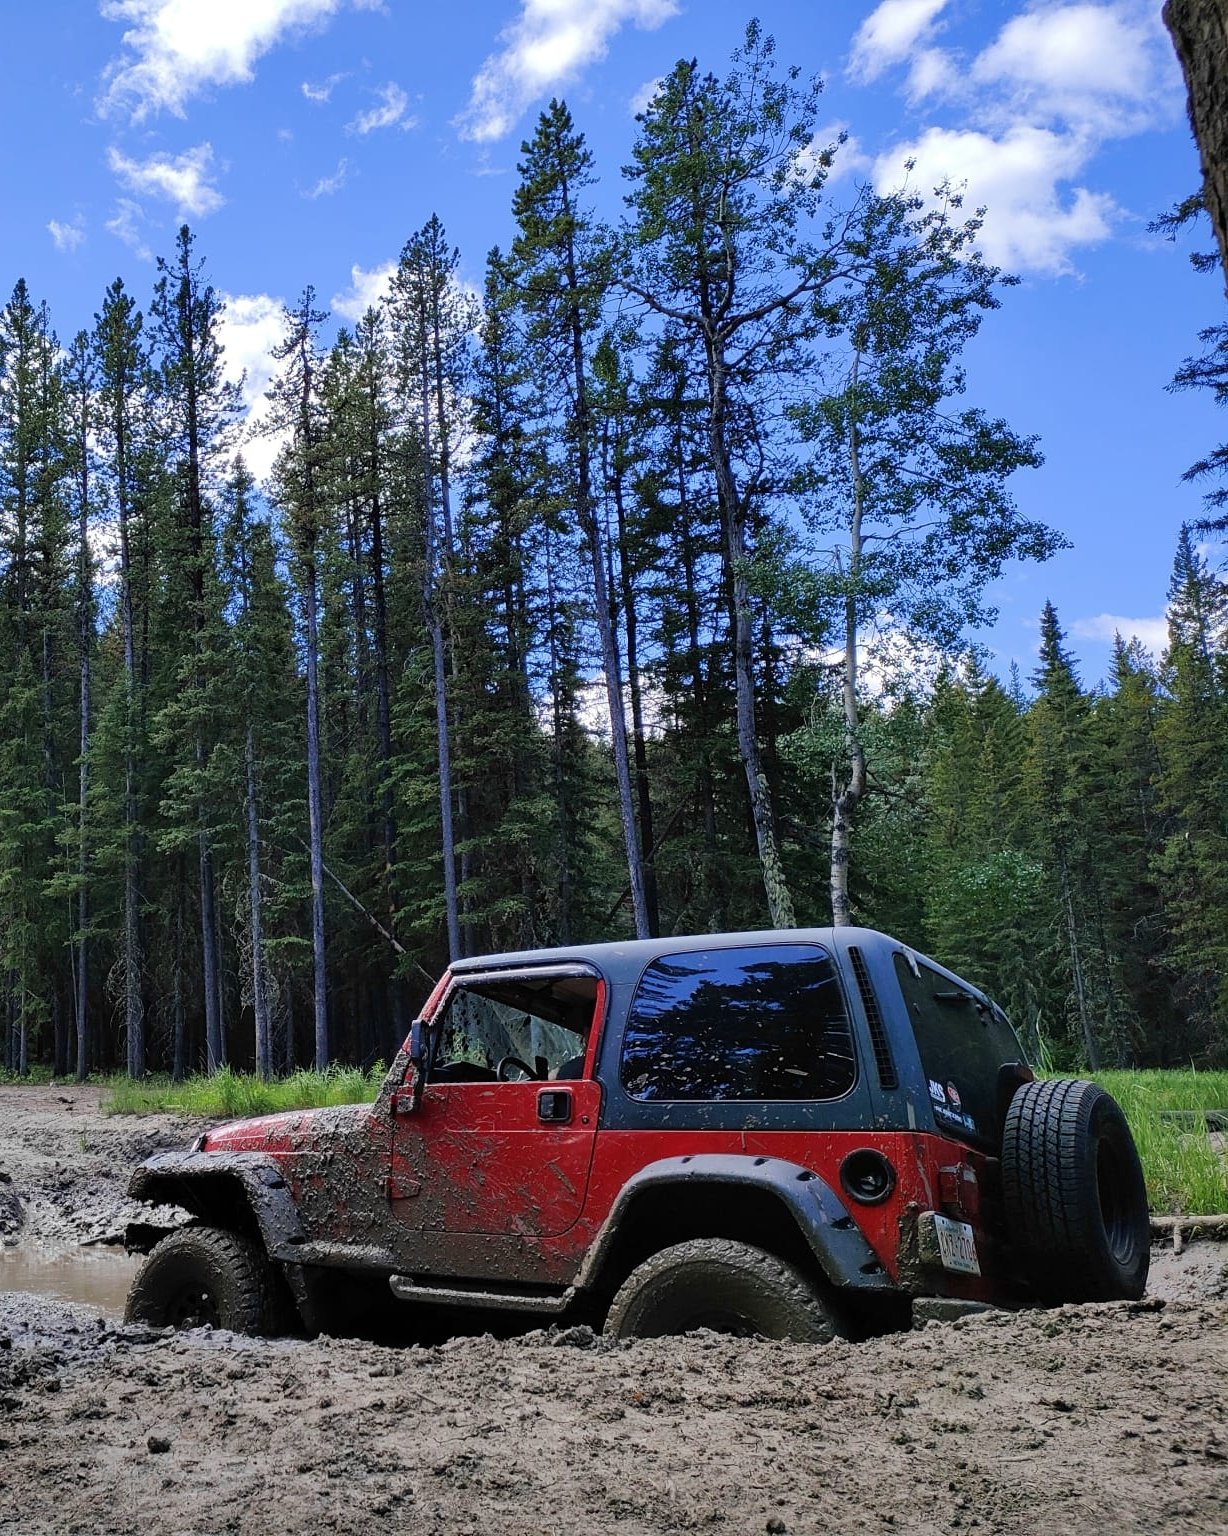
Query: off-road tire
[201, 1275]
[1073, 1193]
[721, 1284]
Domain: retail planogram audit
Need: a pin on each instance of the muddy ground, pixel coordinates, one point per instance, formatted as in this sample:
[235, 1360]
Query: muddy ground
[1083, 1419]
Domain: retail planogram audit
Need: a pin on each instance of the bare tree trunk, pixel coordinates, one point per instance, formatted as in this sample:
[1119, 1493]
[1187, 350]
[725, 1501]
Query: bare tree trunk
[315, 817]
[591, 527]
[638, 747]
[215, 1045]
[847, 796]
[434, 619]
[780, 903]
[179, 1048]
[1076, 967]
[557, 765]
[1199, 30]
[260, 1002]
[84, 638]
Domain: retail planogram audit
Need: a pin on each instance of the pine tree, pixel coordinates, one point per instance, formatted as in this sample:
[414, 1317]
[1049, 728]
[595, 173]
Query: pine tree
[560, 265]
[720, 183]
[433, 323]
[296, 408]
[1192, 735]
[908, 494]
[199, 407]
[123, 423]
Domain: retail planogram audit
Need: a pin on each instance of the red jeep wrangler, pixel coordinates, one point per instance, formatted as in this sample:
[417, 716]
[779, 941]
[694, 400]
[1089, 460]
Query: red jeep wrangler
[791, 1133]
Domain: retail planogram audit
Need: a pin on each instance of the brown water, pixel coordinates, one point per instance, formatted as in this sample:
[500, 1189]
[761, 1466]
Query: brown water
[98, 1277]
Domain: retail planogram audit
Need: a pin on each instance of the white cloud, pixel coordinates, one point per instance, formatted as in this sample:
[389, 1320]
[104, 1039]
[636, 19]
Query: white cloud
[327, 185]
[390, 111]
[643, 98]
[548, 45]
[1035, 107]
[890, 34]
[174, 49]
[181, 179]
[67, 237]
[251, 326]
[848, 156]
[322, 92]
[126, 223]
[1107, 626]
[1091, 66]
[1031, 224]
[367, 290]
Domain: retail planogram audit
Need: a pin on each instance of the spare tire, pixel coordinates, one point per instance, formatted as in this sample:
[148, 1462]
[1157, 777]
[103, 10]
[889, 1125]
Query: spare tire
[1073, 1193]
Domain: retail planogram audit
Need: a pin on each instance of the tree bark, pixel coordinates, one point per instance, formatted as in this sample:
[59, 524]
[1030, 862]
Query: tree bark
[315, 813]
[780, 903]
[1199, 30]
[848, 796]
[260, 1003]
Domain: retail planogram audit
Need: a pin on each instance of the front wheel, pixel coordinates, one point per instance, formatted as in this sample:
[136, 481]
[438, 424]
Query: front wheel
[724, 1285]
[203, 1275]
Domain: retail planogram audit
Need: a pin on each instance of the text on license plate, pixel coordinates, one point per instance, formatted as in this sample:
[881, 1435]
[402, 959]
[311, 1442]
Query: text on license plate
[956, 1245]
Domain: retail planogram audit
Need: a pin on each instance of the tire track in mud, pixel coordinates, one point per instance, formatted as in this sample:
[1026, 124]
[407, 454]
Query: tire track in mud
[1073, 1420]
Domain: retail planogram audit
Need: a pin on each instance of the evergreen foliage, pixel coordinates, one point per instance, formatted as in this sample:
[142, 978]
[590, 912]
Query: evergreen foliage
[528, 638]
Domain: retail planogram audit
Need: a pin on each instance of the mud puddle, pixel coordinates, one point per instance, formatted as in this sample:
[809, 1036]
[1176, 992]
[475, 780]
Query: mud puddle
[95, 1276]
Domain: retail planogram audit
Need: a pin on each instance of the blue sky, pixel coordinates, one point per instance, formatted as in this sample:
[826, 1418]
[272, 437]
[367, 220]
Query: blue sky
[304, 140]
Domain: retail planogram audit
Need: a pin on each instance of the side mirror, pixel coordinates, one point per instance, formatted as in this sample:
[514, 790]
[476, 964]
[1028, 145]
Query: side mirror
[406, 1098]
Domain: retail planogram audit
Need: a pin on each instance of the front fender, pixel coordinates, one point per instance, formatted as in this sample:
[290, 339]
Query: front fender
[208, 1183]
[834, 1237]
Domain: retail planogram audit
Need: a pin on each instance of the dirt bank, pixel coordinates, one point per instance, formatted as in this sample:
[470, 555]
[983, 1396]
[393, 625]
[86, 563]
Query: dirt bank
[1076, 1420]
[64, 1165]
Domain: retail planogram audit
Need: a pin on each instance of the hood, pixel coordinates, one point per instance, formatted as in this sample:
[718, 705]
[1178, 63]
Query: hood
[284, 1132]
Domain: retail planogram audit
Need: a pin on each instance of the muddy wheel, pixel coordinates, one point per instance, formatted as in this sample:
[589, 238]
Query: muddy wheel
[724, 1285]
[1074, 1196]
[202, 1275]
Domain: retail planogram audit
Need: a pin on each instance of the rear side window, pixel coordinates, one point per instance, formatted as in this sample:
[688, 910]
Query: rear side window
[760, 1022]
[963, 1044]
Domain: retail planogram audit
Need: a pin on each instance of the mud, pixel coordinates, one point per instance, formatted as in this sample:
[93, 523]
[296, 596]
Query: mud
[1075, 1420]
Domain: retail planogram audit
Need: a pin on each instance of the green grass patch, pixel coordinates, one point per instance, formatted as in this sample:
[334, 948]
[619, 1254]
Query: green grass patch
[1185, 1172]
[231, 1095]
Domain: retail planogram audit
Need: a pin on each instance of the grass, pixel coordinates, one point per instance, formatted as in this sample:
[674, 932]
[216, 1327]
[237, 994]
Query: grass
[1185, 1174]
[231, 1095]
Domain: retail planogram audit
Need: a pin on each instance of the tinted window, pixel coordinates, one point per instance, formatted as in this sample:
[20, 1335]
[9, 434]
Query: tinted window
[766, 1022]
[962, 1044]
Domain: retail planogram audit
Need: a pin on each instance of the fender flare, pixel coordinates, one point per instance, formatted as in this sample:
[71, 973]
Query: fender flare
[169, 1179]
[835, 1239]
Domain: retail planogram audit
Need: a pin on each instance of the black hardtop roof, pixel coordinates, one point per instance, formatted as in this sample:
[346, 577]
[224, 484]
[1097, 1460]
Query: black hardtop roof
[642, 951]
[634, 954]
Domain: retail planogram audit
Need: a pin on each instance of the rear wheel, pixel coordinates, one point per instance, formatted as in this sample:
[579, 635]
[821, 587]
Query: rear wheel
[1075, 1198]
[203, 1275]
[728, 1286]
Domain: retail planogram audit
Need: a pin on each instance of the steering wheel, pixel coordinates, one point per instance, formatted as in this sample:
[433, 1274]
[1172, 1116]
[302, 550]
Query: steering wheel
[512, 1070]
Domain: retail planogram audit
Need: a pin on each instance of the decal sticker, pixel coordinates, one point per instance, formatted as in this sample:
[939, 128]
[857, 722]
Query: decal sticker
[953, 1096]
[937, 1092]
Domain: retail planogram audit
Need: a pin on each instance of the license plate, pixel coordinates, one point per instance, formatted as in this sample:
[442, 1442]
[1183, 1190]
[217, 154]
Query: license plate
[956, 1245]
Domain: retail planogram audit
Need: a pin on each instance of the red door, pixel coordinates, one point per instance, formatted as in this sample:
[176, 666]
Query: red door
[485, 1173]
[507, 1159]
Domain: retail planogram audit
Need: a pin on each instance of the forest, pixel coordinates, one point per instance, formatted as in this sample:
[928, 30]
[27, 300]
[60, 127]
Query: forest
[633, 595]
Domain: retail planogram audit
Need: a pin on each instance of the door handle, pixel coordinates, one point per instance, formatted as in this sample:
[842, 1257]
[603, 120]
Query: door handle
[554, 1106]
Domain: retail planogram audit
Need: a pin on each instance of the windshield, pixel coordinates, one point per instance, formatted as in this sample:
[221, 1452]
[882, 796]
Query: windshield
[963, 1044]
